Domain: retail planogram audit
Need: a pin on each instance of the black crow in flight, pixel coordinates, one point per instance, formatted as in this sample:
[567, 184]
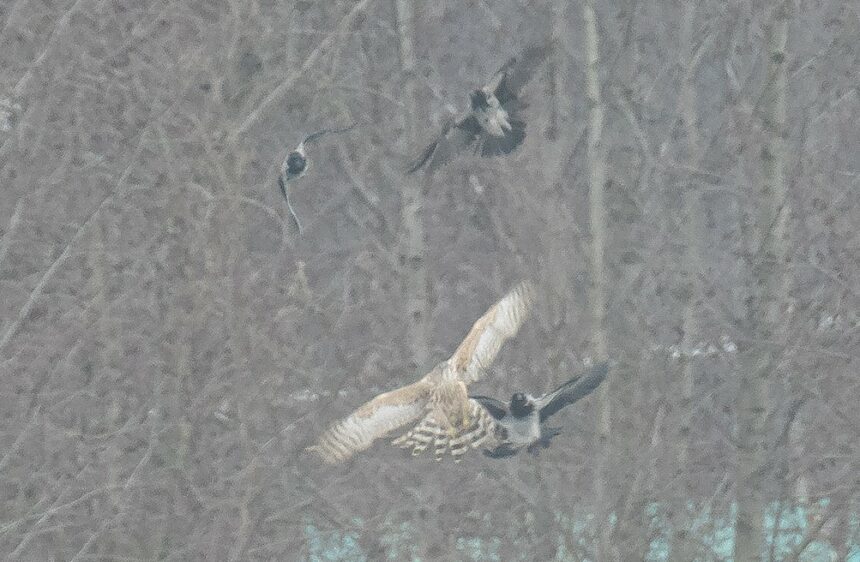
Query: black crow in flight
[521, 424]
[492, 124]
[296, 164]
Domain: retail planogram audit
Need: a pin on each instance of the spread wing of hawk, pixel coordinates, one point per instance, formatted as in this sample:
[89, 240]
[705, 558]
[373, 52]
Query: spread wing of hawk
[439, 402]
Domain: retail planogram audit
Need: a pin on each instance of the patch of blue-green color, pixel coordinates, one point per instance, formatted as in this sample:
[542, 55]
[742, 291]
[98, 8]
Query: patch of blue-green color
[659, 547]
[710, 532]
[478, 549]
[399, 540]
[332, 546]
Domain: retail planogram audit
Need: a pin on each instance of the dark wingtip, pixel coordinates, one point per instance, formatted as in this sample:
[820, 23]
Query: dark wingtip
[414, 166]
[491, 405]
[500, 452]
[419, 162]
[283, 186]
[602, 367]
[595, 376]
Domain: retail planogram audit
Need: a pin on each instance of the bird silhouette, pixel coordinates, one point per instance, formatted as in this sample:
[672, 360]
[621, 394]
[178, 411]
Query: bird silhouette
[492, 124]
[447, 418]
[522, 421]
[297, 163]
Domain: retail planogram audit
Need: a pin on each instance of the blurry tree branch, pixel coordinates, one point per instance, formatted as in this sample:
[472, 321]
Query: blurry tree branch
[58, 29]
[288, 82]
[154, 117]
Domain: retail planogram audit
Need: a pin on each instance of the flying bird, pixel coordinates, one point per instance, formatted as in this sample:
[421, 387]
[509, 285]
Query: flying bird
[296, 164]
[492, 124]
[439, 402]
[522, 422]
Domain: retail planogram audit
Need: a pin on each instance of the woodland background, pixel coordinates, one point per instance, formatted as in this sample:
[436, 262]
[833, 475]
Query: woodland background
[686, 200]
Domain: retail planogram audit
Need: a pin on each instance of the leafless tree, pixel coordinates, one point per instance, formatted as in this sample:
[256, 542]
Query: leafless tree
[684, 200]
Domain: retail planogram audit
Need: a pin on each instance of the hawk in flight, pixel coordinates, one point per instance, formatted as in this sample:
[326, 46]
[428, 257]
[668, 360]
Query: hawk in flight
[439, 402]
[296, 164]
[522, 422]
[492, 124]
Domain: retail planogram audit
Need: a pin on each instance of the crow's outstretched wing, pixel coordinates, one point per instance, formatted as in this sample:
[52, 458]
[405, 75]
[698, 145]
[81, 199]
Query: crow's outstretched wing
[460, 133]
[516, 73]
[571, 391]
[314, 136]
[496, 408]
[456, 136]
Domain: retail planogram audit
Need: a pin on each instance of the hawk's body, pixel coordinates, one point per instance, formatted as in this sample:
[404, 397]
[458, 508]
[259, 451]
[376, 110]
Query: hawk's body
[447, 418]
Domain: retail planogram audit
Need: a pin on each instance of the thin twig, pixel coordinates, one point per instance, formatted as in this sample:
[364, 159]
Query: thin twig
[61, 25]
[288, 82]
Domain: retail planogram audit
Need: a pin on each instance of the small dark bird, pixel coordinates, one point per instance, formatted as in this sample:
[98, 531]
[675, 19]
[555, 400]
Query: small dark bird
[521, 424]
[492, 123]
[296, 164]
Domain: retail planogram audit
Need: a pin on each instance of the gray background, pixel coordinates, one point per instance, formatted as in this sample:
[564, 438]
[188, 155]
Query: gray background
[169, 344]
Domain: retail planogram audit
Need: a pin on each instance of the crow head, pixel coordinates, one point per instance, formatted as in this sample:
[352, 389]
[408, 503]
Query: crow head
[521, 405]
[296, 163]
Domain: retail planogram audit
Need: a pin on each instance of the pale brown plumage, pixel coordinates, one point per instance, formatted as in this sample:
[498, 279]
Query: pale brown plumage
[447, 418]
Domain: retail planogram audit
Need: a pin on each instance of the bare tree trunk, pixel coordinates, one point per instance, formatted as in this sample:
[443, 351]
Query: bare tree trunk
[768, 256]
[411, 253]
[597, 179]
[561, 101]
[692, 232]
[106, 352]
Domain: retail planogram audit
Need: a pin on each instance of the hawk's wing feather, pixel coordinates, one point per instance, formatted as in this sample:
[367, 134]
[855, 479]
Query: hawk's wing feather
[449, 419]
[373, 420]
[500, 323]
[571, 391]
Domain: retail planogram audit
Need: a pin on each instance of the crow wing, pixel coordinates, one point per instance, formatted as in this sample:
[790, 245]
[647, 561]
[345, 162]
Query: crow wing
[516, 73]
[571, 391]
[314, 136]
[496, 408]
[456, 135]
